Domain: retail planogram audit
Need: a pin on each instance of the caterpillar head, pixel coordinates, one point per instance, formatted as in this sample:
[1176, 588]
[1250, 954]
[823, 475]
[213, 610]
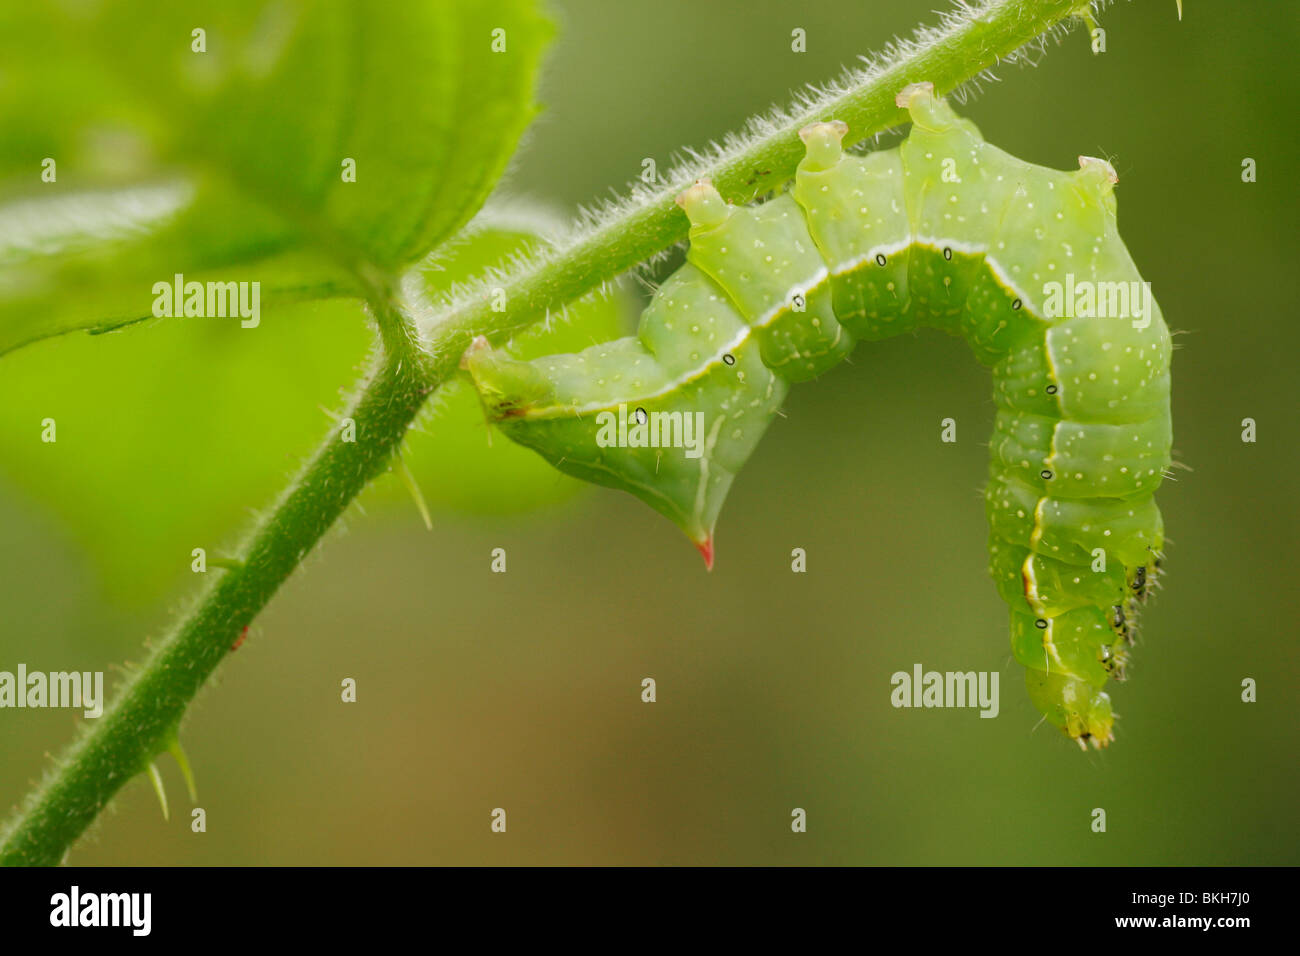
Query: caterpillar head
[507, 386]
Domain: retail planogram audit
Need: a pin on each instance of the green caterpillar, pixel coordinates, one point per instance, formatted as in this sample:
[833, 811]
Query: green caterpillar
[945, 231]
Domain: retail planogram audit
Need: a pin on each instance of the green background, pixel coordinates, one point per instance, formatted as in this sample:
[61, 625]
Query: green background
[522, 690]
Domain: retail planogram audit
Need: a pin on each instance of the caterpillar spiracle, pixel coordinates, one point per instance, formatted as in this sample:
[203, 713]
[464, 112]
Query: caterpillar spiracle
[946, 231]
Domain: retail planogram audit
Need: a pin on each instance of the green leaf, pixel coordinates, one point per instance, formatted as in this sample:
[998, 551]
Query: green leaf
[229, 163]
[228, 414]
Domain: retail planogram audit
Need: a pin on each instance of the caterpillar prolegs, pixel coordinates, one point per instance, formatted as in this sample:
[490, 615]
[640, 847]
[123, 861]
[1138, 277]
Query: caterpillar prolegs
[945, 231]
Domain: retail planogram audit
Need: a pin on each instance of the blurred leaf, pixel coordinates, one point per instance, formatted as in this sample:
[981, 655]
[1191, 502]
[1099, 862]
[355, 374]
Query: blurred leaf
[458, 461]
[228, 163]
[171, 433]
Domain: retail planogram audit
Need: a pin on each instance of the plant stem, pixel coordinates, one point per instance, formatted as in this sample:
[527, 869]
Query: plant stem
[971, 41]
[145, 715]
[146, 712]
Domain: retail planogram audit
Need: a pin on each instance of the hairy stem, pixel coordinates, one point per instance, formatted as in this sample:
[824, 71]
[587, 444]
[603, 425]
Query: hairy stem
[145, 715]
[975, 38]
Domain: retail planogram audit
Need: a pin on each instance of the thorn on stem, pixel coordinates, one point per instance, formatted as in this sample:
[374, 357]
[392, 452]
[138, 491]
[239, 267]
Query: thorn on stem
[156, 779]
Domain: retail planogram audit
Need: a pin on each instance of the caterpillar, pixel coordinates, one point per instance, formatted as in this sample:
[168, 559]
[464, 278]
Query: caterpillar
[946, 231]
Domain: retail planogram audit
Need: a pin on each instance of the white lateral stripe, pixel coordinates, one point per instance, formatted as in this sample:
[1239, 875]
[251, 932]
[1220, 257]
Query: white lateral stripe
[938, 244]
[1004, 279]
[1037, 533]
[557, 411]
[770, 316]
[1052, 370]
[1031, 585]
[803, 288]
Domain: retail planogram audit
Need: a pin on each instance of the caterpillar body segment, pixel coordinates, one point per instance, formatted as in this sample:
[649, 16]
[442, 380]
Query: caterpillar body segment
[684, 403]
[944, 231]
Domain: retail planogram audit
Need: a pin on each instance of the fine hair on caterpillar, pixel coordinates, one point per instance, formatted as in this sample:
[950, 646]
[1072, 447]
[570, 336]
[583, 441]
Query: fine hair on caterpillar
[943, 231]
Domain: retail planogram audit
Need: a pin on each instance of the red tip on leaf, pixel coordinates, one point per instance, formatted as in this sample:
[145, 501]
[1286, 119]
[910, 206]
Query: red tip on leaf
[706, 549]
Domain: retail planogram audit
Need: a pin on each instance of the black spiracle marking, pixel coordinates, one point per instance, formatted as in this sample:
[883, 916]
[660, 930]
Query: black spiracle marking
[1052, 390]
[729, 359]
[1139, 584]
[1016, 303]
[880, 259]
[947, 254]
[1040, 624]
[641, 417]
[1045, 474]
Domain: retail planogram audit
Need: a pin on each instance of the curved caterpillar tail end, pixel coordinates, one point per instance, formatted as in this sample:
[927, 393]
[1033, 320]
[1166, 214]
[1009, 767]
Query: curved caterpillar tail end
[1074, 706]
